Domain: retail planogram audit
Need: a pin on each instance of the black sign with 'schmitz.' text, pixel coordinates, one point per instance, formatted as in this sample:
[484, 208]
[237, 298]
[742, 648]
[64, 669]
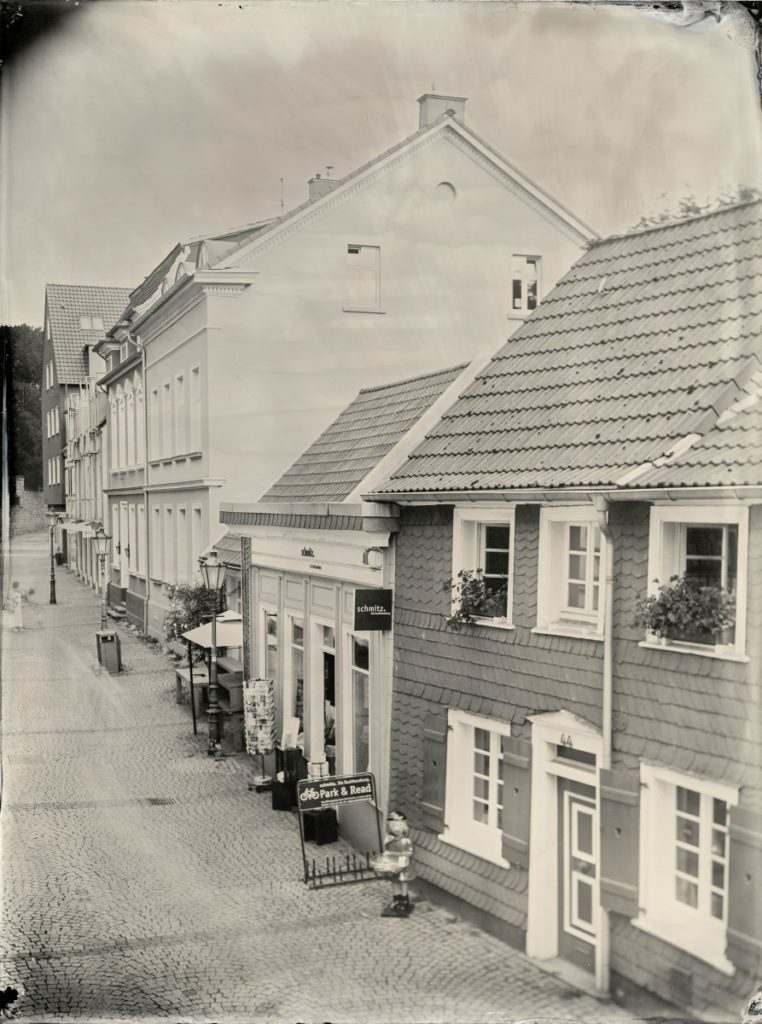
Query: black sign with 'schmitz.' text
[373, 610]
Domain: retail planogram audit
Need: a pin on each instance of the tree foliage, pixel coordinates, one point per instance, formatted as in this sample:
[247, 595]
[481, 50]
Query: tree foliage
[191, 604]
[22, 369]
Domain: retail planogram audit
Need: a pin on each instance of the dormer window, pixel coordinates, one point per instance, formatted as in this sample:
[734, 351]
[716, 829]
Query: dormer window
[91, 323]
[525, 285]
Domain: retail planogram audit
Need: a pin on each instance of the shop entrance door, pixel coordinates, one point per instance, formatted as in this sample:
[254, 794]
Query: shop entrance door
[329, 708]
[578, 873]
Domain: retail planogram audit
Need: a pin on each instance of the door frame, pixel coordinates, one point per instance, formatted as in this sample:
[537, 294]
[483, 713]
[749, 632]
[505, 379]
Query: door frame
[549, 731]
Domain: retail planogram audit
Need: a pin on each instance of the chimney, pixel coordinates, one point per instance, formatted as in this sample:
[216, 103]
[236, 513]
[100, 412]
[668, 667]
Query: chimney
[320, 186]
[431, 106]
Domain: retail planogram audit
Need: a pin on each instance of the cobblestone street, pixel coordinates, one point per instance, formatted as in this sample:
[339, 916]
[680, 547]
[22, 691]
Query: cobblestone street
[143, 880]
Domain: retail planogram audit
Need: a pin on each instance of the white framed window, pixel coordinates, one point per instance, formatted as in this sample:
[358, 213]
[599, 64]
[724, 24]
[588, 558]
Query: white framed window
[570, 572]
[121, 411]
[296, 667]
[196, 411]
[474, 795]
[132, 547]
[97, 323]
[141, 541]
[140, 436]
[358, 664]
[156, 568]
[684, 861]
[124, 350]
[85, 323]
[196, 536]
[525, 283]
[115, 545]
[130, 428]
[180, 432]
[707, 544]
[57, 469]
[269, 646]
[169, 574]
[114, 432]
[483, 540]
[182, 544]
[167, 425]
[155, 440]
[363, 278]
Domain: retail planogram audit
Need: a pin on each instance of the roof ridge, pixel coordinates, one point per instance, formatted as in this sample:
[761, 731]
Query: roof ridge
[411, 380]
[89, 287]
[675, 223]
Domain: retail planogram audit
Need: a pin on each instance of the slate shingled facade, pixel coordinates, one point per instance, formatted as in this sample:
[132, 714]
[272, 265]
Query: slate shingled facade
[562, 828]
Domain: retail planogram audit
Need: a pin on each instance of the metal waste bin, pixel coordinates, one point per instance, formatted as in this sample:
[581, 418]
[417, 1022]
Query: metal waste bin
[109, 650]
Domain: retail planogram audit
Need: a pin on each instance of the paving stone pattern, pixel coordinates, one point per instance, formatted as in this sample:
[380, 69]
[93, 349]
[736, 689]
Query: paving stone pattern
[142, 880]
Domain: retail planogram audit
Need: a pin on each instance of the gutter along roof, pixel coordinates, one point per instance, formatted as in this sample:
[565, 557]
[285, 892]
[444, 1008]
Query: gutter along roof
[632, 358]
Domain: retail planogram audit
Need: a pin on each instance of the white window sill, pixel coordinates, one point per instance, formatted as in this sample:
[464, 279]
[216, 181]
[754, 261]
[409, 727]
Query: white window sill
[565, 630]
[363, 309]
[496, 623]
[470, 845]
[691, 937]
[707, 652]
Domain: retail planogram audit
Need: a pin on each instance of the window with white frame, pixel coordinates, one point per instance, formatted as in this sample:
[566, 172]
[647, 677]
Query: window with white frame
[115, 546]
[182, 544]
[121, 411]
[114, 432]
[130, 426]
[180, 440]
[483, 543]
[196, 536]
[570, 571]
[132, 546]
[167, 425]
[155, 441]
[169, 575]
[474, 800]
[141, 540]
[195, 409]
[270, 646]
[140, 437]
[684, 861]
[156, 570]
[525, 283]
[363, 280]
[296, 655]
[708, 545]
[359, 651]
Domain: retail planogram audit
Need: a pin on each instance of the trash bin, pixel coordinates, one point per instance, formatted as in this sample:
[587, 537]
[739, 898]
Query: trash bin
[109, 650]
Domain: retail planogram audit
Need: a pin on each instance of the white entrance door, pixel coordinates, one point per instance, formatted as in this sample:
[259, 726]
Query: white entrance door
[578, 881]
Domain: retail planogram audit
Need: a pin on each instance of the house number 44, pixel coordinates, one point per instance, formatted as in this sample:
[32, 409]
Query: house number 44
[566, 741]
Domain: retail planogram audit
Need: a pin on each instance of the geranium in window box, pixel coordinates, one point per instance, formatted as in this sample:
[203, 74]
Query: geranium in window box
[474, 599]
[688, 611]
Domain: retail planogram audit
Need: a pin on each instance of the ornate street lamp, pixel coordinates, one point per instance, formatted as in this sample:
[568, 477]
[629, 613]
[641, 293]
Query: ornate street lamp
[213, 573]
[52, 520]
[102, 540]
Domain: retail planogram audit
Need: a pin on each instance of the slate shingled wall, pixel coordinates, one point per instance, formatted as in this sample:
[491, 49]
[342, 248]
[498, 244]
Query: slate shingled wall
[695, 713]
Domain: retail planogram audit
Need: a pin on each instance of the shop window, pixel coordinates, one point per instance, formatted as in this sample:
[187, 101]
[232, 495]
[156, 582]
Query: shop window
[297, 671]
[363, 291]
[707, 545]
[271, 645]
[474, 801]
[684, 861]
[483, 544]
[195, 409]
[360, 703]
[570, 572]
[525, 283]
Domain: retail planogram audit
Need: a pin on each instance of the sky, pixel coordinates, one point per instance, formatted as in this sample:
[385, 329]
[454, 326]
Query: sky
[135, 124]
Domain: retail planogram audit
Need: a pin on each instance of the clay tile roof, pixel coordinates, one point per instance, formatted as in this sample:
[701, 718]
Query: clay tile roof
[647, 339]
[66, 303]
[359, 438]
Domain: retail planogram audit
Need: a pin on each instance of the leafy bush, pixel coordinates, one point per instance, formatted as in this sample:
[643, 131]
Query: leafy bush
[686, 606]
[191, 605]
[474, 599]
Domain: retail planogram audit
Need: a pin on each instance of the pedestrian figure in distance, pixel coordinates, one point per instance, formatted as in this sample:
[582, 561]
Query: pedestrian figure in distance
[14, 607]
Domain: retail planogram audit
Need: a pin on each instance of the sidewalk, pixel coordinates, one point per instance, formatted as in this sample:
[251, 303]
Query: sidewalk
[144, 880]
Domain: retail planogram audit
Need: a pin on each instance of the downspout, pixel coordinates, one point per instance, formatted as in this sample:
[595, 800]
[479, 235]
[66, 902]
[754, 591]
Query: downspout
[602, 504]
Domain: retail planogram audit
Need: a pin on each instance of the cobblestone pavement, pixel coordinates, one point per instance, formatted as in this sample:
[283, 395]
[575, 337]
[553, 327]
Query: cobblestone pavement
[143, 880]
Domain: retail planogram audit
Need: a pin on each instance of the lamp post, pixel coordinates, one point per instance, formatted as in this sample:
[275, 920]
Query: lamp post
[52, 520]
[101, 546]
[213, 572]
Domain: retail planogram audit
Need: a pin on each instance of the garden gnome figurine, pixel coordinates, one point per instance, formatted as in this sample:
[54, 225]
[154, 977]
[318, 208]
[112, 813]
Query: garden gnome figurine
[398, 843]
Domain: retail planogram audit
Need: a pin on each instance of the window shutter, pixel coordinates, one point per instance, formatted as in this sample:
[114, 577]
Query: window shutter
[745, 890]
[620, 827]
[517, 759]
[434, 770]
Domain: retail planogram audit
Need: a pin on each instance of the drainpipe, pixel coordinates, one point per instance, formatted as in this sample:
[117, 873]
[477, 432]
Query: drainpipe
[602, 504]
